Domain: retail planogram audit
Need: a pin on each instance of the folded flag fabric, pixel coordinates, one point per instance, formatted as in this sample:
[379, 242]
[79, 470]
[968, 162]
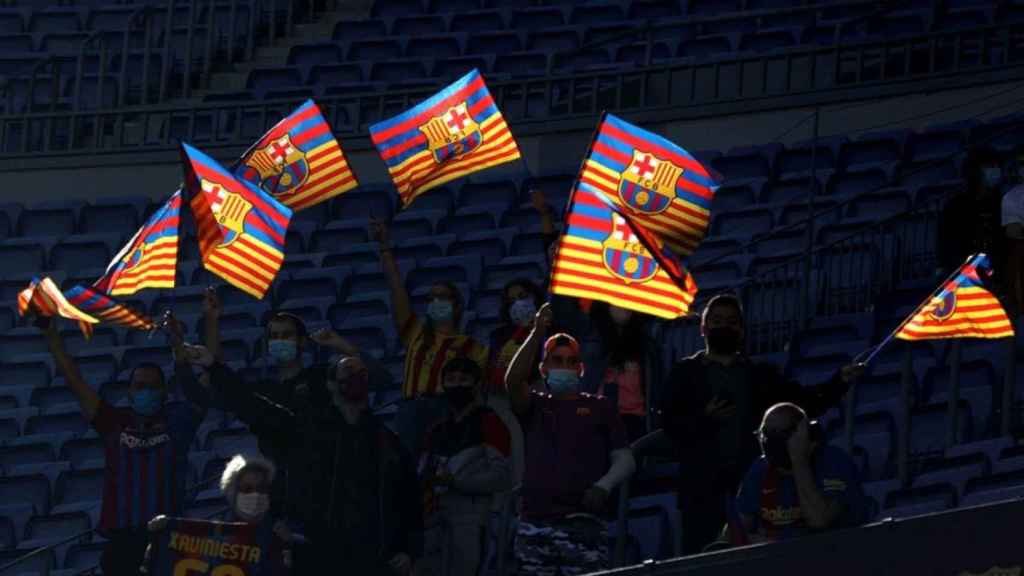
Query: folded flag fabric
[659, 184]
[150, 258]
[241, 229]
[962, 308]
[605, 255]
[44, 297]
[107, 309]
[298, 161]
[452, 134]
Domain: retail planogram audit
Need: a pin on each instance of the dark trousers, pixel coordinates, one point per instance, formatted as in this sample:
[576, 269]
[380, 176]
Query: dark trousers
[124, 552]
[702, 509]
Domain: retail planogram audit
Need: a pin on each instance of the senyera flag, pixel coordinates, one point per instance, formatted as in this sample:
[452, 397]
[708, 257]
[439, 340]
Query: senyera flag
[150, 258]
[44, 298]
[241, 229]
[454, 133]
[962, 308]
[606, 255]
[107, 309]
[659, 184]
[298, 161]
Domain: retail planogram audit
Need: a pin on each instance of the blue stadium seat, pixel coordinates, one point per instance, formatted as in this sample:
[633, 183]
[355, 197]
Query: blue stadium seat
[928, 428]
[920, 500]
[230, 442]
[658, 10]
[554, 39]
[66, 418]
[881, 204]
[377, 50]
[33, 490]
[870, 150]
[515, 267]
[83, 556]
[55, 20]
[995, 488]
[314, 287]
[39, 563]
[28, 373]
[262, 80]
[452, 5]
[8, 318]
[422, 249]
[486, 192]
[742, 223]
[956, 472]
[934, 144]
[522, 63]
[490, 245]
[408, 225]
[396, 8]
[358, 204]
[434, 47]
[340, 315]
[467, 220]
[706, 46]
[112, 215]
[83, 251]
[11, 22]
[845, 185]
[494, 43]
[738, 165]
[336, 75]
[49, 219]
[789, 191]
[644, 53]
[7, 537]
[537, 18]
[712, 7]
[918, 174]
[307, 56]
[898, 24]
[351, 30]
[768, 41]
[397, 71]
[481, 21]
[977, 387]
[801, 159]
[417, 25]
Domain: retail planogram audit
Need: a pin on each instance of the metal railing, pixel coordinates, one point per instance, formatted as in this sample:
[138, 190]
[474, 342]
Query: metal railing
[667, 89]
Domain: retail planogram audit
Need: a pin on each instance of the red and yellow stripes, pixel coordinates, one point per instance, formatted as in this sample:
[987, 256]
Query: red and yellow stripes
[329, 176]
[978, 314]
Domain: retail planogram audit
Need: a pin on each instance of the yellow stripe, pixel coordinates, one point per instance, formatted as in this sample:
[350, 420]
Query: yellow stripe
[448, 177]
[229, 273]
[258, 274]
[495, 119]
[659, 312]
[238, 249]
[661, 278]
[335, 158]
[315, 190]
[487, 149]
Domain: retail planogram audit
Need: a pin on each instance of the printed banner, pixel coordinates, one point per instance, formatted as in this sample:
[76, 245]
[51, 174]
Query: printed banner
[202, 547]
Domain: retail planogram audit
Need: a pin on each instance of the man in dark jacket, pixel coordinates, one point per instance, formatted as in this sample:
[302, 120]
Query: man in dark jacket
[715, 400]
[352, 488]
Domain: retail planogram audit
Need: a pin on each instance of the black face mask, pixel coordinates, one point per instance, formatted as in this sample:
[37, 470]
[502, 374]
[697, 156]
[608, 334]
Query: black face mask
[723, 340]
[459, 397]
[776, 449]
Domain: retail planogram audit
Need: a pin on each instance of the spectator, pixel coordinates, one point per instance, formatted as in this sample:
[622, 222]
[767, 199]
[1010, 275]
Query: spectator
[520, 300]
[1013, 228]
[351, 487]
[576, 454]
[800, 484]
[246, 484]
[627, 363]
[151, 432]
[465, 463]
[714, 401]
[428, 344]
[970, 220]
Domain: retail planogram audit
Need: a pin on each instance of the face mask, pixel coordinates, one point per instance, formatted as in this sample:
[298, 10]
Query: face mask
[147, 402]
[440, 310]
[776, 449]
[355, 389]
[723, 340]
[619, 315]
[522, 311]
[283, 351]
[993, 176]
[563, 381]
[252, 505]
[459, 397]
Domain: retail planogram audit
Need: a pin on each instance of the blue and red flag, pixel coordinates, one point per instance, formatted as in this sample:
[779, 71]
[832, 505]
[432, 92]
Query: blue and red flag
[963, 308]
[44, 298]
[241, 229]
[657, 183]
[452, 134]
[106, 309]
[150, 258]
[298, 161]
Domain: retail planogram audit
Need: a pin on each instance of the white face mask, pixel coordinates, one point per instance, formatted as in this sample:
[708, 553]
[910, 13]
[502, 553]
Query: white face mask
[252, 506]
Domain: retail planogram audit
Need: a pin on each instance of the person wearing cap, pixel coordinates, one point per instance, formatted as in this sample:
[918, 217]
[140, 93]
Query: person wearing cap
[577, 451]
[464, 463]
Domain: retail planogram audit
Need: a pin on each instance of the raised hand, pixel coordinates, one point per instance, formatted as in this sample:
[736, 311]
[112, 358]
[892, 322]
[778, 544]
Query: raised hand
[211, 303]
[544, 317]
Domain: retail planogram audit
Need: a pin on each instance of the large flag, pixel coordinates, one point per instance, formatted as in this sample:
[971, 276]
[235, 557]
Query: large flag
[963, 308]
[298, 161]
[44, 298]
[454, 133]
[106, 309]
[660, 185]
[241, 229]
[150, 258]
[605, 255]
[188, 546]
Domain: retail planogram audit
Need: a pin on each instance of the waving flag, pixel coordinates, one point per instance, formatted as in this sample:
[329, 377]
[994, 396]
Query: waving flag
[963, 308]
[150, 258]
[454, 133]
[44, 298]
[107, 310]
[241, 230]
[298, 161]
[605, 255]
[660, 185]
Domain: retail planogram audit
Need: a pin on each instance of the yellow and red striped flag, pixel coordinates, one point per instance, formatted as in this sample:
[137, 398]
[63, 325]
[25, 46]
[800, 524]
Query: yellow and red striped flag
[44, 298]
[605, 255]
[963, 308]
[150, 259]
[107, 310]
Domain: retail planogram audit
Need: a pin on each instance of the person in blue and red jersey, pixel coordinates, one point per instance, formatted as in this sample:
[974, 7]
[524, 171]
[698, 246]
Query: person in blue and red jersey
[799, 485]
[146, 450]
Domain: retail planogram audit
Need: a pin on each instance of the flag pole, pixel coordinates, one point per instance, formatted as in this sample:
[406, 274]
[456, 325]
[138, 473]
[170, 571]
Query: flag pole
[873, 351]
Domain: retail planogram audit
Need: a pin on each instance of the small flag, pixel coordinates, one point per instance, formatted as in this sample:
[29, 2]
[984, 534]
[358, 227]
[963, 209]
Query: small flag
[108, 310]
[604, 255]
[44, 298]
[660, 185]
[150, 259]
[963, 308]
[454, 133]
[241, 229]
[298, 161]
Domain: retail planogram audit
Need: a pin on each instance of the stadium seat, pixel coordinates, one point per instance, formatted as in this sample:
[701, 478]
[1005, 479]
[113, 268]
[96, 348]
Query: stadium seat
[81, 450]
[76, 487]
[83, 556]
[23, 255]
[33, 490]
[871, 150]
[476, 21]
[742, 223]
[977, 387]
[929, 425]
[956, 472]
[85, 251]
[31, 374]
[920, 500]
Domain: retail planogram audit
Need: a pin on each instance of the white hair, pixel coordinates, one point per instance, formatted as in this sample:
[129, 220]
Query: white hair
[233, 471]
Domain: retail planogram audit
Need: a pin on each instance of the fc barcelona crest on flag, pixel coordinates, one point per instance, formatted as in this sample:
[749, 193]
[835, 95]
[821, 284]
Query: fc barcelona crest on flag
[452, 134]
[280, 167]
[945, 306]
[230, 210]
[625, 256]
[648, 184]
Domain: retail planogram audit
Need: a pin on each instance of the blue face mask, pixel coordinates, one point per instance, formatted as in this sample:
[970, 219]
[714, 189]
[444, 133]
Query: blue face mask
[440, 310]
[282, 351]
[147, 402]
[563, 381]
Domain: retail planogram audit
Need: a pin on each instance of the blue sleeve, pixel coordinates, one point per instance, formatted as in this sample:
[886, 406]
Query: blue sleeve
[748, 501]
[841, 483]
